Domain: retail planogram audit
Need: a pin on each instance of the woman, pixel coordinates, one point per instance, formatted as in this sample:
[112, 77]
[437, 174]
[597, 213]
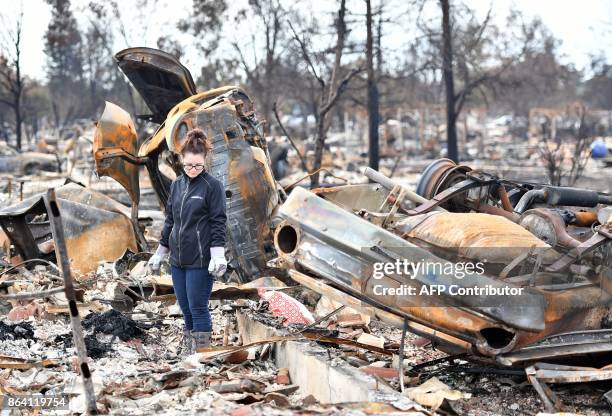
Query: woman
[194, 234]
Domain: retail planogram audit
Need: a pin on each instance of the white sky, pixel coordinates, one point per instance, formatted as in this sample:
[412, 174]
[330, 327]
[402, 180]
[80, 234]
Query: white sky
[584, 27]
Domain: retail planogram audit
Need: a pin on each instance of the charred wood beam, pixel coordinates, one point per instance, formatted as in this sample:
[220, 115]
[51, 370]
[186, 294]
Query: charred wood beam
[61, 251]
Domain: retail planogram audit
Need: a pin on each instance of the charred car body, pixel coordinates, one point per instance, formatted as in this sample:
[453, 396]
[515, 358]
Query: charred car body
[27, 163]
[553, 242]
[239, 158]
[565, 285]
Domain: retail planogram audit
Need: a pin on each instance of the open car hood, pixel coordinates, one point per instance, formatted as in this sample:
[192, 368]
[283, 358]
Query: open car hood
[158, 76]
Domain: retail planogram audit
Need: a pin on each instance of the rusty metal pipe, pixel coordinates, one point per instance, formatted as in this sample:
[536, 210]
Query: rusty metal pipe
[489, 209]
[286, 239]
[389, 183]
[559, 195]
[527, 199]
[504, 199]
[552, 218]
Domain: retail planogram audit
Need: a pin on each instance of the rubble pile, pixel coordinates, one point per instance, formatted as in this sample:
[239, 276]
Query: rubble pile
[134, 362]
[136, 369]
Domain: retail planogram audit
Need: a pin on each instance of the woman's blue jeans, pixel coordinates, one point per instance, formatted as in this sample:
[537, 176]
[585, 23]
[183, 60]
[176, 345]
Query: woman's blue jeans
[192, 288]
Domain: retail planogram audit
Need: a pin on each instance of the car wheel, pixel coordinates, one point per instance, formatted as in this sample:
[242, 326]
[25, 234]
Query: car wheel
[31, 169]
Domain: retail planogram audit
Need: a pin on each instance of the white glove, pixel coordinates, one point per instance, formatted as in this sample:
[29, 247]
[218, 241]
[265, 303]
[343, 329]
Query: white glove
[155, 260]
[218, 264]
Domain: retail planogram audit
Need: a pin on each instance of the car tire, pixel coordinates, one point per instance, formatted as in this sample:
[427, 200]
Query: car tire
[31, 168]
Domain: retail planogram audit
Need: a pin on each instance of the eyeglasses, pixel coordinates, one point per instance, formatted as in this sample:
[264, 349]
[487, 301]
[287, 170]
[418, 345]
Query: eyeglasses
[189, 166]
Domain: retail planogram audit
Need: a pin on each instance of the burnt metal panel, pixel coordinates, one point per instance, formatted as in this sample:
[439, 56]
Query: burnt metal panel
[159, 77]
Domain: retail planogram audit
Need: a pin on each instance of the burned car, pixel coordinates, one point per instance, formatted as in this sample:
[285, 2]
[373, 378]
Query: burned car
[239, 158]
[27, 163]
[563, 272]
[551, 244]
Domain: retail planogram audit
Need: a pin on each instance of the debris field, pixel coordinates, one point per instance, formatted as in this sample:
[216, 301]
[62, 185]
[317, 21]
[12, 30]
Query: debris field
[304, 321]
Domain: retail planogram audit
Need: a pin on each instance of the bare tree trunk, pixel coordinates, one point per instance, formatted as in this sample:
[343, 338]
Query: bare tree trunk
[379, 54]
[328, 101]
[18, 122]
[56, 115]
[329, 91]
[18, 86]
[318, 151]
[272, 32]
[447, 69]
[11, 78]
[373, 116]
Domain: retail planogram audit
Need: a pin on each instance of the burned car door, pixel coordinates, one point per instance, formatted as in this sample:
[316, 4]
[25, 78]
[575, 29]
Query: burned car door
[115, 140]
[159, 77]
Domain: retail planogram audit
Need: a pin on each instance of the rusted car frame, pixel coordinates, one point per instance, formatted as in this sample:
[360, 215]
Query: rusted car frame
[313, 238]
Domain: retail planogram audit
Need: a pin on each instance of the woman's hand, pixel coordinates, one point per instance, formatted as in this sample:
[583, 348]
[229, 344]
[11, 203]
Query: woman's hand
[218, 264]
[154, 262]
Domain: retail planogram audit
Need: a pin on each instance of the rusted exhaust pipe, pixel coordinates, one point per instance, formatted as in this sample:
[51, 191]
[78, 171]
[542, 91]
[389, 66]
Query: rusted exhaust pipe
[286, 239]
[496, 341]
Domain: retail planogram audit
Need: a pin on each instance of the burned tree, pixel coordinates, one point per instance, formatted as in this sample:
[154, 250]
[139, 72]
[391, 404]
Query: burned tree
[472, 55]
[373, 104]
[565, 158]
[261, 74]
[330, 90]
[449, 83]
[12, 80]
[205, 24]
[63, 45]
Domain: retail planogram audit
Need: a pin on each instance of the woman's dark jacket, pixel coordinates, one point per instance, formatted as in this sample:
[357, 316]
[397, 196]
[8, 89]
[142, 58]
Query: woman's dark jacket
[195, 220]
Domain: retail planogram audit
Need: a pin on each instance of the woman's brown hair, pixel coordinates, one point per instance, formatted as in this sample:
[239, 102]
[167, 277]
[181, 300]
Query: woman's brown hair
[196, 142]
